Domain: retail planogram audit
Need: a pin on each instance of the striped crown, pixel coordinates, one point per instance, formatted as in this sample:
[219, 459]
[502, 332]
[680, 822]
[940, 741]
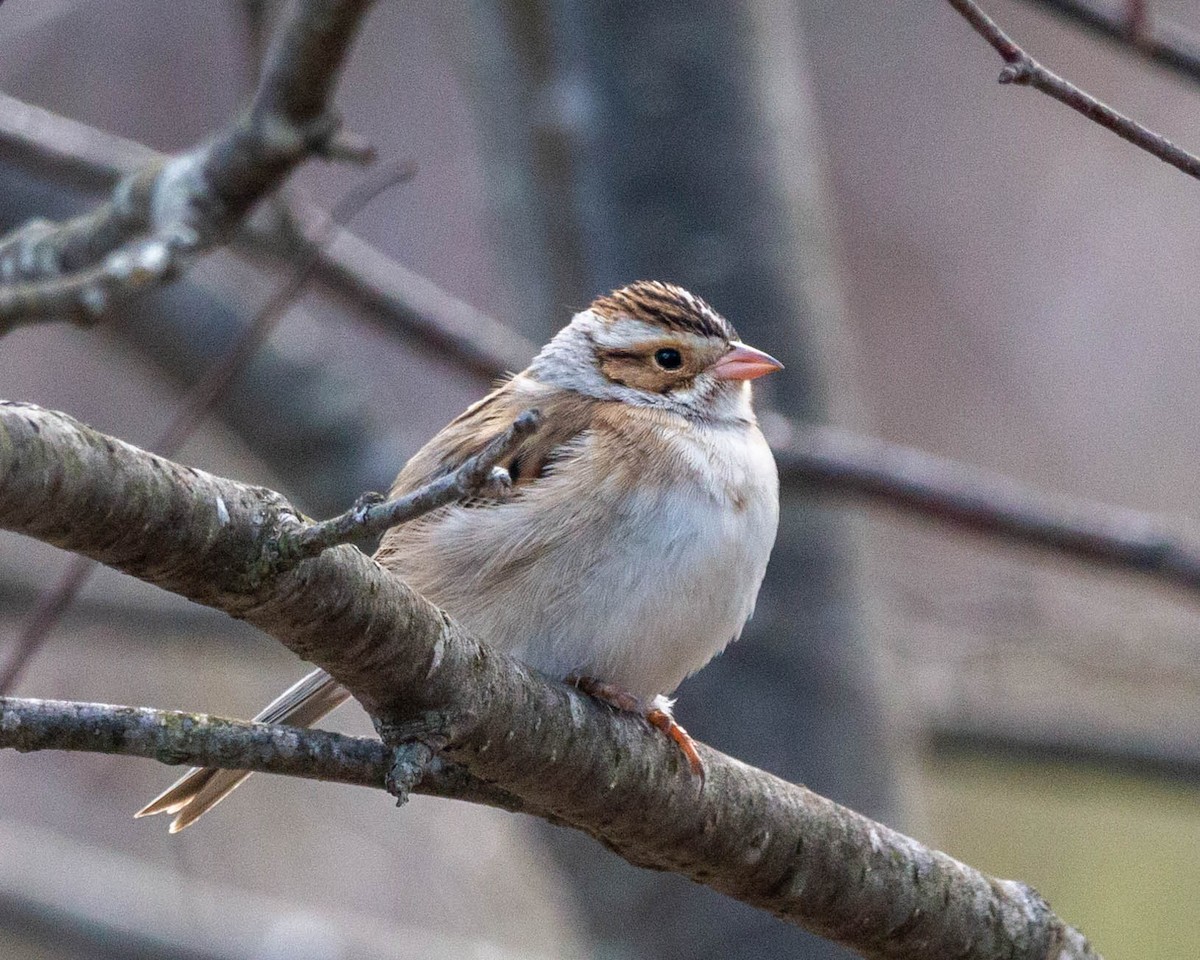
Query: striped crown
[667, 305]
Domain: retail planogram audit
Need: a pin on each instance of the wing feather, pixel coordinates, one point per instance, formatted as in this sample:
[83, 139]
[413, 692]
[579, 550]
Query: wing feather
[564, 417]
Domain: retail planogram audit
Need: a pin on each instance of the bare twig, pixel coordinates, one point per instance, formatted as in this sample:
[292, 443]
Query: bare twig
[51, 606]
[416, 308]
[1021, 69]
[1137, 21]
[197, 739]
[199, 402]
[372, 515]
[168, 212]
[749, 835]
[174, 737]
[1163, 44]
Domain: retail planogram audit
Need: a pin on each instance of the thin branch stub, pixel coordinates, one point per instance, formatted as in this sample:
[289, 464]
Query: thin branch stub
[1019, 72]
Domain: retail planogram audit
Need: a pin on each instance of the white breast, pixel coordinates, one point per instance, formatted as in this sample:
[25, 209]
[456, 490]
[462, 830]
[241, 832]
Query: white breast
[637, 586]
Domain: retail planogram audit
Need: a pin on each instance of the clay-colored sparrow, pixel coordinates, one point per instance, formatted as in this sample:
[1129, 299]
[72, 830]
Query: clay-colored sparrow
[636, 536]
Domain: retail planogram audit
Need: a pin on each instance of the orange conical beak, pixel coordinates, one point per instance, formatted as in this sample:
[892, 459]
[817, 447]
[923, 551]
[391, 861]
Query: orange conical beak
[744, 363]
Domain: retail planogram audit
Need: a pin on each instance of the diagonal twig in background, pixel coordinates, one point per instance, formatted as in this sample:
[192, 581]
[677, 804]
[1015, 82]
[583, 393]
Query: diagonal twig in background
[1022, 69]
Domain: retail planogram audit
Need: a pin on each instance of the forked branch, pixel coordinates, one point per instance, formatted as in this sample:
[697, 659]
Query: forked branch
[169, 211]
[748, 834]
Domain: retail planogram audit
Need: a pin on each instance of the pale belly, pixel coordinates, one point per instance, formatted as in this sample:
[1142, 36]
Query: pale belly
[635, 590]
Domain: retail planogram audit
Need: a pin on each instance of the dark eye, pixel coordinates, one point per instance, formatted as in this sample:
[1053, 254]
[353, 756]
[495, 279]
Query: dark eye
[668, 358]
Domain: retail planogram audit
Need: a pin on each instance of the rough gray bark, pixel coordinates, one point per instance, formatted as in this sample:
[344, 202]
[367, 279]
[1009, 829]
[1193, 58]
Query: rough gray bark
[749, 835]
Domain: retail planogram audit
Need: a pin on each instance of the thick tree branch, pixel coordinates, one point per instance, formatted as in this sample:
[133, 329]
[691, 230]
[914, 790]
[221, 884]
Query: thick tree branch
[748, 834]
[172, 210]
[1020, 68]
[1163, 44]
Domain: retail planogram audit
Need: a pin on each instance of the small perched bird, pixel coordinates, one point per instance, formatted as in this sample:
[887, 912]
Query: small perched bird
[632, 545]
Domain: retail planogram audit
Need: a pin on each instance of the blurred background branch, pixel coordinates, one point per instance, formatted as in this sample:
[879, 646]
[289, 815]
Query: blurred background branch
[1131, 27]
[83, 910]
[165, 213]
[827, 460]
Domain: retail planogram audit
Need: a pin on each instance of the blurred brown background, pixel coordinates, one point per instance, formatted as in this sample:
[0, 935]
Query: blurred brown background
[943, 262]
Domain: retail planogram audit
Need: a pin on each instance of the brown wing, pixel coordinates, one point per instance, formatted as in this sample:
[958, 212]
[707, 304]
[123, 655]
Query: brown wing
[565, 416]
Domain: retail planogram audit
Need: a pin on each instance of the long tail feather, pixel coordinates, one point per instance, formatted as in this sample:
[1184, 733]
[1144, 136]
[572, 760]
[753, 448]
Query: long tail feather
[202, 788]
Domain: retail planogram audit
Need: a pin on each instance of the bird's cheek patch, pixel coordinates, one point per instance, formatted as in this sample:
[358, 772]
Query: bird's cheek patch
[639, 375]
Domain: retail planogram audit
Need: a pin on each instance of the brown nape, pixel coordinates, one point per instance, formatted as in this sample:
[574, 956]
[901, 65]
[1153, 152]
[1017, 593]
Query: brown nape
[667, 305]
[636, 367]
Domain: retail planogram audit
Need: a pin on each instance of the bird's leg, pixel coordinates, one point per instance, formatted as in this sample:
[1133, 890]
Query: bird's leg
[658, 715]
[662, 720]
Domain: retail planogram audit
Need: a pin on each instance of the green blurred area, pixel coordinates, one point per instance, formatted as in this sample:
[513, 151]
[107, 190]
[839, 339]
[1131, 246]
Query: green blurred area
[1115, 854]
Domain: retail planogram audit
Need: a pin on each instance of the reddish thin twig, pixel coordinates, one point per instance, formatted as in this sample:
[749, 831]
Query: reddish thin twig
[199, 402]
[1022, 69]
